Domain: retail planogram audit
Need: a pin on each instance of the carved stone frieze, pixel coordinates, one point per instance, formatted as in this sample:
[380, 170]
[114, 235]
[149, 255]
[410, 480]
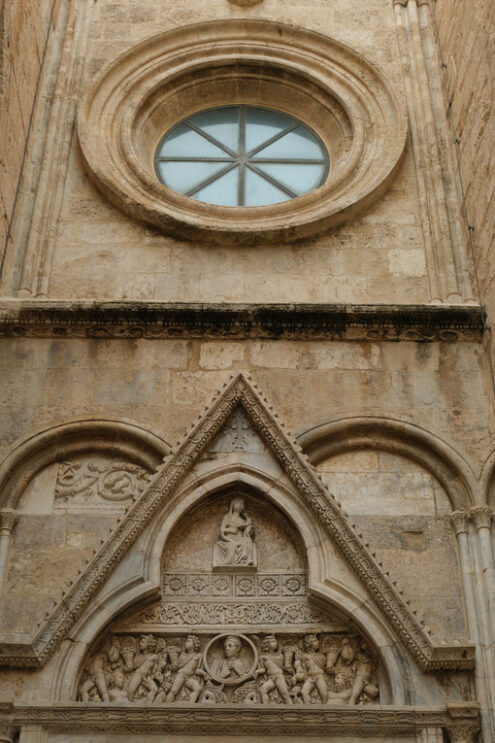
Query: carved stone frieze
[236, 668]
[295, 322]
[236, 585]
[110, 483]
[230, 613]
[247, 719]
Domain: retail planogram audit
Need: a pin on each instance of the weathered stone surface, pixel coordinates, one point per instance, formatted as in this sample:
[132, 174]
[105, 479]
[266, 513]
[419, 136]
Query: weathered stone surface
[226, 548]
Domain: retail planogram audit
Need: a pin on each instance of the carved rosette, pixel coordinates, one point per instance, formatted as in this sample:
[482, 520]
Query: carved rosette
[8, 519]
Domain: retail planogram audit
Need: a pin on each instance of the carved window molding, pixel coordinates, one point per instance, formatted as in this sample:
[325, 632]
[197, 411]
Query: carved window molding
[331, 88]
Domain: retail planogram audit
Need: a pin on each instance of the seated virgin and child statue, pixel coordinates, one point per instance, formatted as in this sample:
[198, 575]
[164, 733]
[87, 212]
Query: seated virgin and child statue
[235, 546]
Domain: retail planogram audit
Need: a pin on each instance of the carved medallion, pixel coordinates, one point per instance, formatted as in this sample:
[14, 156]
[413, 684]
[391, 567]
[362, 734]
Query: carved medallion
[230, 659]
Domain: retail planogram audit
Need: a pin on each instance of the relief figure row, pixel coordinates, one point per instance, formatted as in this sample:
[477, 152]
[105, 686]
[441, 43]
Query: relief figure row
[295, 669]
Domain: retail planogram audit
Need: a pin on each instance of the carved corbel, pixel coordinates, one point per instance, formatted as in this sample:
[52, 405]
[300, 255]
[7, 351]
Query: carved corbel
[482, 516]
[459, 521]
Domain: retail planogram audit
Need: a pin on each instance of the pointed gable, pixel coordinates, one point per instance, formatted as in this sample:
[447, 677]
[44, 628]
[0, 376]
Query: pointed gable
[239, 404]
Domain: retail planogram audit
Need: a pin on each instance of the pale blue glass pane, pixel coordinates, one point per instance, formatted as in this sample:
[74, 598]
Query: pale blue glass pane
[298, 143]
[222, 124]
[222, 191]
[263, 125]
[259, 192]
[299, 178]
[182, 176]
[184, 142]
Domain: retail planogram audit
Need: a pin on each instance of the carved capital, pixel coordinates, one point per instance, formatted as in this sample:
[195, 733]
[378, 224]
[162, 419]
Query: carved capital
[463, 732]
[8, 519]
[482, 516]
[401, 2]
[6, 731]
[464, 721]
[459, 521]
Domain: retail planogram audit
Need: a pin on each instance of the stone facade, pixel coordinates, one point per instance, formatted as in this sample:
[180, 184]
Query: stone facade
[246, 455]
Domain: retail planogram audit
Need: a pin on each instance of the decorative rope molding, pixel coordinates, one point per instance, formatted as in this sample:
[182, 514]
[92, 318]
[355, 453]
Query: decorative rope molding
[304, 478]
[390, 722]
[87, 319]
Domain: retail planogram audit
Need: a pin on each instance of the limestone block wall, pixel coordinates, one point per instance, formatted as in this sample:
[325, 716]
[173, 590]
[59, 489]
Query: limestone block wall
[83, 247]
[23, 30]
[468, 48]
[161, 386]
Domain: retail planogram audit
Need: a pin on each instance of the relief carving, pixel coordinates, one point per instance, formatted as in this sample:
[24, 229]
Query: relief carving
[302, 669]
[232, 585]
[235, 546]
[80, 483]
[230, 613]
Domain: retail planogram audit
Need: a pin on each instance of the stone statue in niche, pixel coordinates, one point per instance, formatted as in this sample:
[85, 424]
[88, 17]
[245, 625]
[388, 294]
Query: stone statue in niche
[235, 546]
[286, 668]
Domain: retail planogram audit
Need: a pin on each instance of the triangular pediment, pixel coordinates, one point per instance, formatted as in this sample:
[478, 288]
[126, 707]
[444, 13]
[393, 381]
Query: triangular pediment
[239, 420]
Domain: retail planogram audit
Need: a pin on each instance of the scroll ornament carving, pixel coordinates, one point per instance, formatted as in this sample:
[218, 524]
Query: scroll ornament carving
[232, 668]
[297, 612]
[115, 481]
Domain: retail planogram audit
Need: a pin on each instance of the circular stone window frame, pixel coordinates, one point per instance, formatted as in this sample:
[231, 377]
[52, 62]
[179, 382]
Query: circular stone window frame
[330, 87]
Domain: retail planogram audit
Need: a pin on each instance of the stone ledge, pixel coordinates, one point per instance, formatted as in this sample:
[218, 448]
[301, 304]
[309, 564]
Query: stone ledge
[253, 719]
[90, 319]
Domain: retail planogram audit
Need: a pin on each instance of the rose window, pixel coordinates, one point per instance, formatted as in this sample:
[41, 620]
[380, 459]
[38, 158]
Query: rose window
[241, 156]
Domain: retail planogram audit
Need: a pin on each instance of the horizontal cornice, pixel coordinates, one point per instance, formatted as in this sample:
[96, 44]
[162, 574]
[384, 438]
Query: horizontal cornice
[387, 322]
[391, 722]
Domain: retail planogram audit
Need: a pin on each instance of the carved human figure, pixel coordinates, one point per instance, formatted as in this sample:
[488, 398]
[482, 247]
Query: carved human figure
[97, 671]
[362, 678]
[235, 545]
[310, 668]
[341, 690]
[188, 664]
[271, 663]
[143, 664]
[230, 665]
[116, 684]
